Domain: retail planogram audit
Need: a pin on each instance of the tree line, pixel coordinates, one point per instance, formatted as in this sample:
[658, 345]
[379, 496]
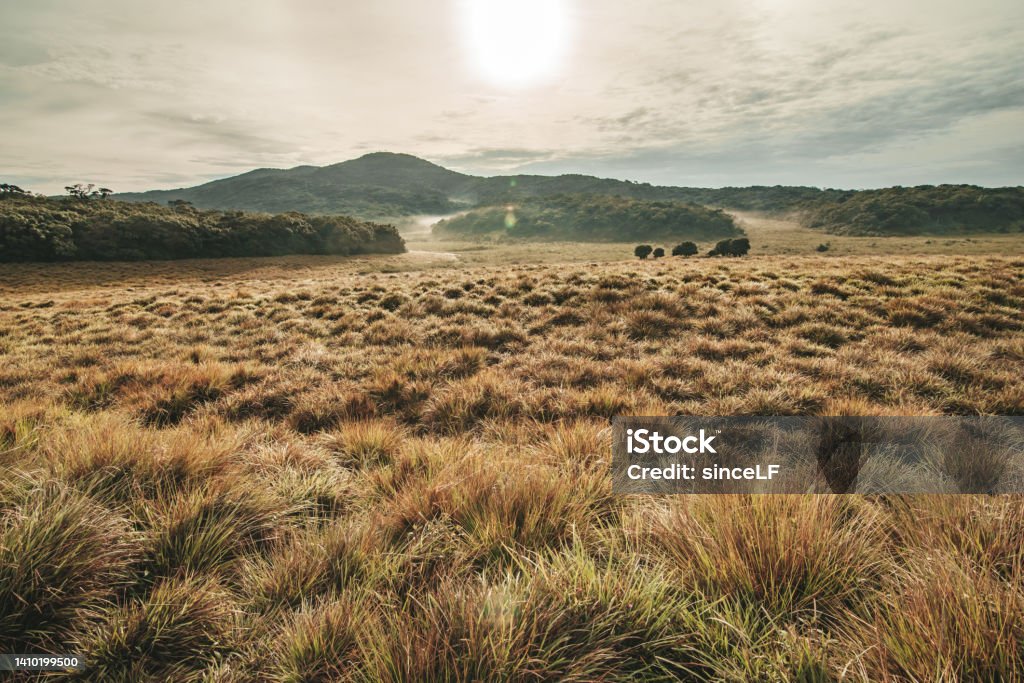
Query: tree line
[927, 209]
[86, 225]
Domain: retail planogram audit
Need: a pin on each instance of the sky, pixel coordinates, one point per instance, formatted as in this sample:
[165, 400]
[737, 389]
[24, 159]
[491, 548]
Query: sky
[832, 93]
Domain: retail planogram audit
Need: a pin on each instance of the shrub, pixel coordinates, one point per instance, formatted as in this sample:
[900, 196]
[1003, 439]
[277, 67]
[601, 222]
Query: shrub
[659, 252]
[740, 246]
[731, 247]
[685, 249]
[642, 251]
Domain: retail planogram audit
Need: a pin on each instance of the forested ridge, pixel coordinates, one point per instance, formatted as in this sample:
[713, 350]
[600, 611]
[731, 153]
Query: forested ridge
[927, 209]
[591, 218]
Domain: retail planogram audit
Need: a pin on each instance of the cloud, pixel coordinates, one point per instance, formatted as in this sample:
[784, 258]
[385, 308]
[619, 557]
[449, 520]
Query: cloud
[483, 159]
[139, 95]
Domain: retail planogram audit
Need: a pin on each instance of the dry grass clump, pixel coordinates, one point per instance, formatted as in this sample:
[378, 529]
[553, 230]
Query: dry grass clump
[314, 471]
[792, 556]
[366, 443]
[206, 529]
[945, 621]
[174, 633]
[63, 557]
[319, 644]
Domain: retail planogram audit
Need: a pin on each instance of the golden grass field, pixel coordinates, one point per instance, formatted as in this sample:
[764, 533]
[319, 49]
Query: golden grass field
[396, 468]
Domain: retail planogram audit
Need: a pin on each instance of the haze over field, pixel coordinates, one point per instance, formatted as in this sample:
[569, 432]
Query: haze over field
[138, 96]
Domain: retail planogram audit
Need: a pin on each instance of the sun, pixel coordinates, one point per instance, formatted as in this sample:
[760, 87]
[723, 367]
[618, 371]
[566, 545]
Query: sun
[515, 43]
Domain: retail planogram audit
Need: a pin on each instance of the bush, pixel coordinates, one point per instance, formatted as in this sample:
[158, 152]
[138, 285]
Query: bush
[659, 252]
[731, 247]
[685, 249]
[643, 250]
[824, 246]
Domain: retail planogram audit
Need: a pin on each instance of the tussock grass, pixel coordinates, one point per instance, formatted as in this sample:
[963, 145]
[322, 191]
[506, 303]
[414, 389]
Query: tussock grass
[319, 644]
[63, 558]
[314, 470]
[366, 443]
[174, 633]
[789, 555]
[206, 529]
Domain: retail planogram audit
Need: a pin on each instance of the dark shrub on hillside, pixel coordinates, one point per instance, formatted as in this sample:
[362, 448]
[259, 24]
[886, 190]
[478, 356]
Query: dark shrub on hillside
[685, 249]
[659, 252]
[643, 250]
[739, 246]
[736, 247]
[70, 229]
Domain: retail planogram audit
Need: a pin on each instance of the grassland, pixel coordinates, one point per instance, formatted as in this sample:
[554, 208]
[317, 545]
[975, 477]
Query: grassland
[395, 468]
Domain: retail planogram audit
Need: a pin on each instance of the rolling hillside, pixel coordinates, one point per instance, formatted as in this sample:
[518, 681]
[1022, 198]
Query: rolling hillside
[386, 185]
[383, 184]
[373, 186]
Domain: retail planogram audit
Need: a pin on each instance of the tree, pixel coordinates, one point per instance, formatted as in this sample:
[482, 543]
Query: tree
[659, 252]
[685, 249]
[642, 251]
[80, 191]
[6, 189]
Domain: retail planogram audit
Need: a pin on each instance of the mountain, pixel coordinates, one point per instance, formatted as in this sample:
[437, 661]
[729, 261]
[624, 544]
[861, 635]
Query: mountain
[372, 186]
[384, 184]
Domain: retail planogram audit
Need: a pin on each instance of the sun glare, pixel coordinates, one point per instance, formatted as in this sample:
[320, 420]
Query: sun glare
[515, 43]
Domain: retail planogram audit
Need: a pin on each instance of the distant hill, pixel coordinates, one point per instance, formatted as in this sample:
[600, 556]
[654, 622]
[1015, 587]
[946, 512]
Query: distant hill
[383, 184]
[34, 228]
[928, 209]
[592, 218]
[373, 186]
[386, 185]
